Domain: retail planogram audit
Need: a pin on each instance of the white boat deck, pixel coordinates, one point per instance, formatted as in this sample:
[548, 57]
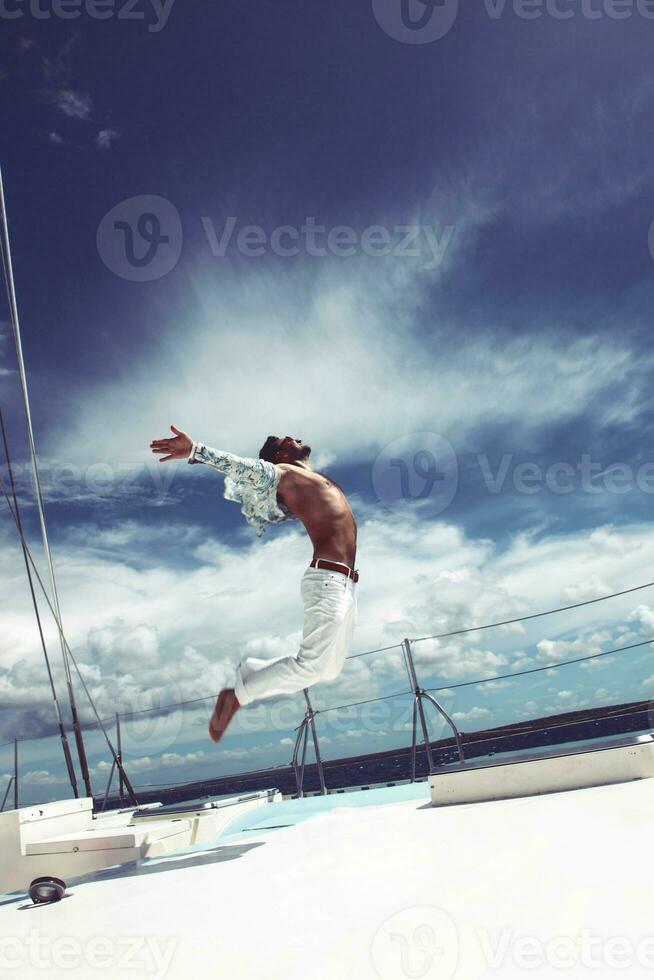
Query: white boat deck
[369, 885]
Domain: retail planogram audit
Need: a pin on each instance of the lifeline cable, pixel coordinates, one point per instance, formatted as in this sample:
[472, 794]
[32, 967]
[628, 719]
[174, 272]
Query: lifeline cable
[522, 619]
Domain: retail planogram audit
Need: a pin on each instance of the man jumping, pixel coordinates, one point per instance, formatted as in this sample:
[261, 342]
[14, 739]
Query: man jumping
[278, 486]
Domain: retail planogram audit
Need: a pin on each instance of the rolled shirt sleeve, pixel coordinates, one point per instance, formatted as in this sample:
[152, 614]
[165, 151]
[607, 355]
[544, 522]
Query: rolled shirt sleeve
[250, 482]
[258, 474]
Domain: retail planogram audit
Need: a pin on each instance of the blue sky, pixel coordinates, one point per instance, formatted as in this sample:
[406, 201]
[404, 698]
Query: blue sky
[385, 248]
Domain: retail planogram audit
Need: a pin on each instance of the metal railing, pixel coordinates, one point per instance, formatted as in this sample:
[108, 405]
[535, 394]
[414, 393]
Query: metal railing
[116, 763]
[308, 727]
[419, 695]
[308, 722]
[13, 781]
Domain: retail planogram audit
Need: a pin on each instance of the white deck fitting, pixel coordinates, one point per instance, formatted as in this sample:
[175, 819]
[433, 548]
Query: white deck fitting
[549, 770]
[113, 838]
[345, 895]
[65, 839]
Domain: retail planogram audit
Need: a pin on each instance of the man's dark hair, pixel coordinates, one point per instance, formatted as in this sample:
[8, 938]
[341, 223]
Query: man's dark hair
[270, 449]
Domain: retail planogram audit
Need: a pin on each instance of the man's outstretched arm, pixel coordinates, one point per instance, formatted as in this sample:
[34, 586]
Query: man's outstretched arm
[259, 473]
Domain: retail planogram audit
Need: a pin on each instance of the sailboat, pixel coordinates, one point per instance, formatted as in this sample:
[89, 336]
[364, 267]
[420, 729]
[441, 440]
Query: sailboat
[490, 865]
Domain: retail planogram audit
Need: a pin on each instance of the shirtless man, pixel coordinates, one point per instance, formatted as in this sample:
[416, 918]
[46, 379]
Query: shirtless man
[278, 486]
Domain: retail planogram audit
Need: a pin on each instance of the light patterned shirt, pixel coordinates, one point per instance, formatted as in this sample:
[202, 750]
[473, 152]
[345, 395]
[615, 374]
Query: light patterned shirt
[250, 482]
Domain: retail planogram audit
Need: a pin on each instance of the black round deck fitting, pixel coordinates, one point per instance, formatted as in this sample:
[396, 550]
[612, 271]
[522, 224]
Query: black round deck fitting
[47, 889]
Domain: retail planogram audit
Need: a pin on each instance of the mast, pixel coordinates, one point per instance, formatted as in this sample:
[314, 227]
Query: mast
[13, 308]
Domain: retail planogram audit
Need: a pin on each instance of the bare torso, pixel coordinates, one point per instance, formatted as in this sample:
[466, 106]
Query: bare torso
[322, 507]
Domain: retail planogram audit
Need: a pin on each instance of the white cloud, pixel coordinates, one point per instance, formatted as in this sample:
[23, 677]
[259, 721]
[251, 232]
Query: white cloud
[644, 615]
[105, 138]
[594, 665]
[248, 752]
[454, 662]
[389, 375]
[41, 777]
[607, 540]
[493, 686]
[135, 765]
[148, 632]
[552, 651]
[175, 759]
[55, 139]
[118, 646]
[76, 105]
[473, 714]
[591, 588]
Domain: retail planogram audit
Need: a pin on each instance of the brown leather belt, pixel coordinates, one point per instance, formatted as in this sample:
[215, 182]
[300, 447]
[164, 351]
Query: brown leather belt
[335, 566]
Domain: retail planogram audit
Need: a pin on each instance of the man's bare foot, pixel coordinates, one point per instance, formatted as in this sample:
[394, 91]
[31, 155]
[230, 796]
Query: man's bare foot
[226, 707]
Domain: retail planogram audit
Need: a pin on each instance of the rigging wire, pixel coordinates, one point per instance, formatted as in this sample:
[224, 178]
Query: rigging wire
[522, 619]
[69, 652]
[5, 248]
[536, 670]
[355, 704]
[60, 723]
[366, 653]
[340, 707]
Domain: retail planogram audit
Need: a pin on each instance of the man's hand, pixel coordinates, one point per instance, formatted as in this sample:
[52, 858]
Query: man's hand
[178, 447]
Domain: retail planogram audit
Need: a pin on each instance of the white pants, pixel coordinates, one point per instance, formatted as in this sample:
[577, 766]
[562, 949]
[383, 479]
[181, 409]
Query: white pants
[330, 603]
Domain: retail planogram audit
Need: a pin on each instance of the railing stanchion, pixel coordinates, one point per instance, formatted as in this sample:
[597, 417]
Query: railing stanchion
[109, 781]
[119, 757]
[299, 770]
[419, 694]
[4, 798]
[303, 734]
[414, 736]
[321, 775]
[15, 774]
